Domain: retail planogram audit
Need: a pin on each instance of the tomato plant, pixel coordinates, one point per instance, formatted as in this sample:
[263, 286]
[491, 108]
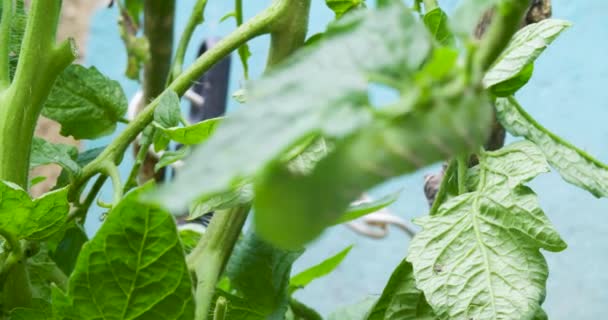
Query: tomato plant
[304, 147]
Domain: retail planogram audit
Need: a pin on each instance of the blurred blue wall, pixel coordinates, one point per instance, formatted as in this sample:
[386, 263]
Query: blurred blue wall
[567, 94]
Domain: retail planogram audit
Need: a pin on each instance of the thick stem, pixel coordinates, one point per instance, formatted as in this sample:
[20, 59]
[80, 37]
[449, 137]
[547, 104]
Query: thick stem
[508, 16]
[40, 62]
[211, 254]
[5, 30]
[289, 31]
[196, 18]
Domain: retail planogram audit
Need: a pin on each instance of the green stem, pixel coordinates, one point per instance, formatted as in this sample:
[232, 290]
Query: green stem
[211, 254]
[5, 33]
[140, 158]
[463, 166]
[506, 22]
[220, 309]
[81, 212]
[40, 62]
[111, 170]
[289, 30]
[196, 18]
[258, 25]
[14, 278]
[158, 28]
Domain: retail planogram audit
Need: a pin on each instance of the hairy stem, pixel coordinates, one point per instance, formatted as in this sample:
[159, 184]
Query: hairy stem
[196, 18]
[211, 254]
[5, 30]
[40, 62]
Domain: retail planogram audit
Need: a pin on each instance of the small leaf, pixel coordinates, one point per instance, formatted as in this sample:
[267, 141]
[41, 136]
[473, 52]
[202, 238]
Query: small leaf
[509, 87]
[194, 134]
[44, 152]
[400, 299]
[573, 164]
[25, 218]
[322, 269]
[481, 249]
[437, 22]
[259, 273]
[135, 255]
[359, 210]
[527, 44]
[170, 157]
[168, 113]
[86, 103]
[340, 7]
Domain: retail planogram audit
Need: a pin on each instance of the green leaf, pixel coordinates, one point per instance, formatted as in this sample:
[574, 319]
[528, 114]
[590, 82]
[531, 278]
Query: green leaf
[67, 247]
[238, 308]
[340, 7]
[573, 164]
[359, 210]
[437, 22]
[322, 269]
[357, 311]
[468, 15]
[299, 311]
[168, 112]
[478, 256]
[308, 95]
[189, 239]
[134, 268]
[44, 152]
[509, 87]
[170, 157]
[527, 44]
[540, 315]
[259, 273]
[40, 310]
[194, 134]
[86, 103]
[135, 9]
[400, 299]
[31, 219]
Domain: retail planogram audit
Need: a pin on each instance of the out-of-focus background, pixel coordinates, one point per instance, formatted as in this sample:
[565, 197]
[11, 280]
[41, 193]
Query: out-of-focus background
[567, 94]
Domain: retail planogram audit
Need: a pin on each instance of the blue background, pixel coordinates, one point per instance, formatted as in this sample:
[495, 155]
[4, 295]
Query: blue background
[567, 94]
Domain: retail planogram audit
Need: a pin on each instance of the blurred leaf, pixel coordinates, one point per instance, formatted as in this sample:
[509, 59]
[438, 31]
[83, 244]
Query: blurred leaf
[307, 95]
[468, 15]
[356, 211]
[527, 44]
[241, 194]
[573, 164]
[135, 255]
[322, 269]
[86, 103]
[437, 22]
[400, 299]
[44, 152]
[259, 273]
[170, 157]
[483, 246]
[135, 9]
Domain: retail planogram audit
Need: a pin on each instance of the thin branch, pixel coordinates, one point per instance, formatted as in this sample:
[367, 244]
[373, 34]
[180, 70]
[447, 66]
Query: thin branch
[196, 18]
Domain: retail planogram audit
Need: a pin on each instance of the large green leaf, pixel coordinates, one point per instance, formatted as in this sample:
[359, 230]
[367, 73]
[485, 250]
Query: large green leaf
[323, 89]
[134, 268]
[36, 219]
[86, 103]
[527, 44]
[478, 257]
[260, 273]
[400, 299]
[44, 152]
[322, 269]
[383, 150]
[573, 164]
